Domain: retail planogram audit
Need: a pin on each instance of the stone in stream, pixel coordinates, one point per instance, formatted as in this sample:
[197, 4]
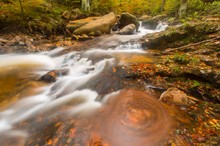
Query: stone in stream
[73, 25]
[51, 76]
[180, 35]
[102, 24]
[175, 96]
[151, 22]
[127, 30]
[127, 19]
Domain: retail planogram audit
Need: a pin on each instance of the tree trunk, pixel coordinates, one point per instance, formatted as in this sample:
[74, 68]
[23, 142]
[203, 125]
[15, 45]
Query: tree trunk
[162, 6]
[86, 5]
[182, 9]
[22, 11]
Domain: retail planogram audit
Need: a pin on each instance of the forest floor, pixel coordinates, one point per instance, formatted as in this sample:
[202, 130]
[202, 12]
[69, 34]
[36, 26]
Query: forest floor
[187, 58]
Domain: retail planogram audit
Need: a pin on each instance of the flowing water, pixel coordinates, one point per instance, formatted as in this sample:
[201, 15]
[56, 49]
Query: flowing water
[88, 106]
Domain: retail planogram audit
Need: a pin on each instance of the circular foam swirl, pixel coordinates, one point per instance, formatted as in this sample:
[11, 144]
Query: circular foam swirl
[132, 118]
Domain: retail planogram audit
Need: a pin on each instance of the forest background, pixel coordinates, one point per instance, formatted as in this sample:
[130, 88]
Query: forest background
[47, 12]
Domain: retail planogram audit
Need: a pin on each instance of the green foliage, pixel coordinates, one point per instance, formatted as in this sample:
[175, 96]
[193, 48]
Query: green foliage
[195, 5]
[40, 15]
[195, 84]
[176, 69]
[195, 61]
[152, 7]
[137, 7]
[10, 10]
[181, 59]
[171, 7]
[212, 8]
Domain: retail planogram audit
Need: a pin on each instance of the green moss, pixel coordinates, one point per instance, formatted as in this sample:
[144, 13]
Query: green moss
[181, 59]
[176, 69]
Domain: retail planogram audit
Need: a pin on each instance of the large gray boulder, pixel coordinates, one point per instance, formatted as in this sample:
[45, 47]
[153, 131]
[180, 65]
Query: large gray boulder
[126, 19]
[128, 30]
[102, 24]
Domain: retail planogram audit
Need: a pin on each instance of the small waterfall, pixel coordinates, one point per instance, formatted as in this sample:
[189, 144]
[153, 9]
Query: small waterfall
[140, 22]
[161, 26]
[130, 46]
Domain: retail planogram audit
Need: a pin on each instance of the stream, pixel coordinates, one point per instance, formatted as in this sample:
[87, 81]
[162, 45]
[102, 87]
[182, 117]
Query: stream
[88, 106]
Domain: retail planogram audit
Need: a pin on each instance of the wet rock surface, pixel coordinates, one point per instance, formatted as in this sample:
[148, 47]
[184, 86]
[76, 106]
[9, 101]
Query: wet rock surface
[180, 35]
[127, 30]
[52, 76]
[127, 19]
[151, 22]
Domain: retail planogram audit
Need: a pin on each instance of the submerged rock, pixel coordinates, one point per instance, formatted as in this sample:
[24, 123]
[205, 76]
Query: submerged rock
[51, 76]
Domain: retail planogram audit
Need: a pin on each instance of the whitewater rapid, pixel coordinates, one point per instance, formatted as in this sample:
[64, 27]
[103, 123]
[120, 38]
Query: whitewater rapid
[74, 94]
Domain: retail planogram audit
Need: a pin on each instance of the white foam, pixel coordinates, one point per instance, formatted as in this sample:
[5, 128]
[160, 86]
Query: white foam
[18, 60]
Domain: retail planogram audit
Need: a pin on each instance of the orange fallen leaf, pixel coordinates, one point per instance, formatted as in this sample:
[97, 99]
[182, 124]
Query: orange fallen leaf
[50, 142]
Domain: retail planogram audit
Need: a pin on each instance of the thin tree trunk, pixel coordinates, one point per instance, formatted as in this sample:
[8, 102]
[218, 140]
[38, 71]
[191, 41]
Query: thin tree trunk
[162, 6]
[22, 10]
[86, 5]
[182, 9]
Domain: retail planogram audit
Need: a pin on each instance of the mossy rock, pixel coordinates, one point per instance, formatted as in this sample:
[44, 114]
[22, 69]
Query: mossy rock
[181, 35]
[126, 19]
[151, 23]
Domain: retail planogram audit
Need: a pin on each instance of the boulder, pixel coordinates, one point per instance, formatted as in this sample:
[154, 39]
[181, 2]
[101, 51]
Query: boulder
[115, 27]
[127, 18]
[151, 23]
[73, 25]
[180, 35]
[175, 96]
[127, 30]
[95, 33]
[102, 24]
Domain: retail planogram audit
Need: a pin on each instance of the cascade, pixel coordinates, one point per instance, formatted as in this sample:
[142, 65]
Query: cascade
[89, 98]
